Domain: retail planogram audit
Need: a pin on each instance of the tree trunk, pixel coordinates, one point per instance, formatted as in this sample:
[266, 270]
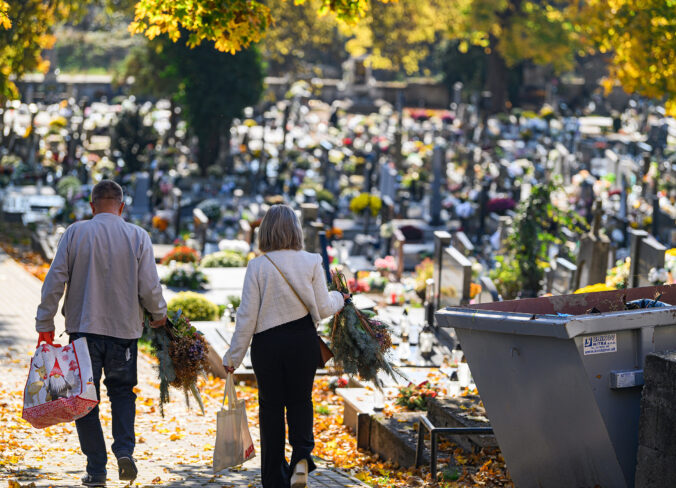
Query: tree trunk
[209, 144]
[496, 78]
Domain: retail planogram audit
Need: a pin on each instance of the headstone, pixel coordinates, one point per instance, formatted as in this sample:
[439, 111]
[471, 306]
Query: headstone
[592, 259]
[388, 181]
[438, 167]
[201, 223]
[140, 205]
[455, 277]
[562, 277]
[309, 214]
[463, 243]
[646, 253]
[442, 240]
[489, 292]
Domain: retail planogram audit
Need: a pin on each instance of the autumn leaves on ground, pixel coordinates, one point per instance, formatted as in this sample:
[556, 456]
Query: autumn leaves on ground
[180, 446]
[177, 449]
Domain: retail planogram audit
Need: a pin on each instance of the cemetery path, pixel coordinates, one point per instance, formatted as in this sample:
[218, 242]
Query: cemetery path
[174, 451]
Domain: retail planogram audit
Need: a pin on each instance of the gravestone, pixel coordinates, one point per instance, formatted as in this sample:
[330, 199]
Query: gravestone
[438, 170]
[489, 292]
[309, 214]
[201, 223]
[646, 253]
[462, 243]
[592, 259]
[442, 240]
[562, 277]
[140, 205]
[452, 273]
[388, 181]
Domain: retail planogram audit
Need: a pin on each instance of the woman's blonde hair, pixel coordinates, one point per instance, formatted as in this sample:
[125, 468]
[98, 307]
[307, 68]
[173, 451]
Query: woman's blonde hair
[280, 229]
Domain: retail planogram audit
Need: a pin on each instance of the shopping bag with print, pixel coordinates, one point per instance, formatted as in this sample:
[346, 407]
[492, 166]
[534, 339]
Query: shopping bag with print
[60, 386]
[233, 439]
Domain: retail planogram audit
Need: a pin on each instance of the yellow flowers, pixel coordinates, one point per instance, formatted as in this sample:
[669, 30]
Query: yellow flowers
[594, 288]
[365, 201]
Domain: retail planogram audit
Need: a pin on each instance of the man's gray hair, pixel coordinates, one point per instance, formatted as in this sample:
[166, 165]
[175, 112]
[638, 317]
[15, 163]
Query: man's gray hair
[107, 190]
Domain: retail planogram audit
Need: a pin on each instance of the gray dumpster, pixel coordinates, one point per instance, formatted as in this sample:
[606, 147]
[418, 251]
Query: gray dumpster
[562, 385]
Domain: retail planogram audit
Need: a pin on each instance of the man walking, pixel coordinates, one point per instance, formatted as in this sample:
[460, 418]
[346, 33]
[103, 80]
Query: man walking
[109, 269]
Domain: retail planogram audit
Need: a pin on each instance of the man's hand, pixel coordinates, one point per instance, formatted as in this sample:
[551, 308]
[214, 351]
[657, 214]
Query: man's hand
[47, 337]
[158, 323]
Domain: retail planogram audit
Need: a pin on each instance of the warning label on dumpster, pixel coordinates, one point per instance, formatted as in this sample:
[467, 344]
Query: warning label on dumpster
[600, 343]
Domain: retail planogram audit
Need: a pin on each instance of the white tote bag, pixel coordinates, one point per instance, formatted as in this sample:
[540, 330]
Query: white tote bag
[233, 439]
[60, 386]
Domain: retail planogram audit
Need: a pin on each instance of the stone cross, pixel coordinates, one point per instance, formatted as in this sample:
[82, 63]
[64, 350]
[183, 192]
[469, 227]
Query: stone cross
[592, 259]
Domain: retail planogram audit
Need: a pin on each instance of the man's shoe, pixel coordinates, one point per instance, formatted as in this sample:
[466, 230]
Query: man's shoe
[299, 477]
[127, 469]
[94, 480]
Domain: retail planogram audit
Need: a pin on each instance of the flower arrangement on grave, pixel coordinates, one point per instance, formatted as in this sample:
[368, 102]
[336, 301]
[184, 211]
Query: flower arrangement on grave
[334, 233]
[181, 254]
[376, 282]
[194, 306]
[386, 264]
[359, 342]
[414, 397]
[618, 277]
[500, 205]
[160, 223]
[182, 355]
[211, 208]
[423, 272]
[185, 275]
[658, 276]
[670, 264]
[358, 285]
[474, 290]
[224, 259]
[337, 382]
[366, 201]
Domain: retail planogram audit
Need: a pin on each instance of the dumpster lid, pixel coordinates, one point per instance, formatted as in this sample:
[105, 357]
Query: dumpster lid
[565, 316]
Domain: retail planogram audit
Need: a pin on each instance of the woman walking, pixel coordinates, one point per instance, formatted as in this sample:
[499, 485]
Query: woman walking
[284, 296]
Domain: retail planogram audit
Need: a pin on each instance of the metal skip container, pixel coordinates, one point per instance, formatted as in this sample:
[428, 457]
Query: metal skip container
[561, 379]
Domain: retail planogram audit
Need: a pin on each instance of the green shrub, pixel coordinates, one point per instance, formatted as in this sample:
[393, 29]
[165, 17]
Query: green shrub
[194, 306]
[224, 259]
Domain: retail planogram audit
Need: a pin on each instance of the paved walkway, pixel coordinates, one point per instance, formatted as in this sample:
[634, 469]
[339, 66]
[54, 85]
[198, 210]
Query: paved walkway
[173, 451]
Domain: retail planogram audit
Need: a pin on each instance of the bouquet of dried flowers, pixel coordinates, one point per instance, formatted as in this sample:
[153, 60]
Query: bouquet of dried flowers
[360, 342]
[182, 354]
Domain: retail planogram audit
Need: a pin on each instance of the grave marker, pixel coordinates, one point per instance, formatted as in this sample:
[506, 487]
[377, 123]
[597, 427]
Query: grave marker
[592, 259]
[562, 277]
[438, 170]
[646, 253]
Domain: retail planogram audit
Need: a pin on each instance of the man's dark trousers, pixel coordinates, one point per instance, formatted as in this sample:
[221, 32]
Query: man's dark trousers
[116, 358]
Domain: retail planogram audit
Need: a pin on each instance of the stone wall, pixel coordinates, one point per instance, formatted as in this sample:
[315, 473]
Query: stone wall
[656, 457]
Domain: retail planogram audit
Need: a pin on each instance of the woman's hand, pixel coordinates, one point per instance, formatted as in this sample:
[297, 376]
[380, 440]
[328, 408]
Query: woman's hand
[229, 369]
[346, 296]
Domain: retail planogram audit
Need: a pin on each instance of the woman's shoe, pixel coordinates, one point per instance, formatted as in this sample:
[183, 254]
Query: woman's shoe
[299, 477]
